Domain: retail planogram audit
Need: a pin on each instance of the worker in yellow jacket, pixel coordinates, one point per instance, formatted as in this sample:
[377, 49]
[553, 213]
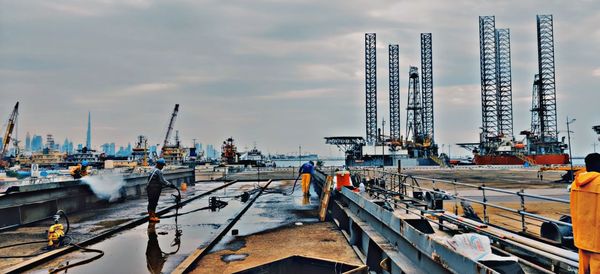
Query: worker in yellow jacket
[80, 170]
[306, 171]
[585, 214]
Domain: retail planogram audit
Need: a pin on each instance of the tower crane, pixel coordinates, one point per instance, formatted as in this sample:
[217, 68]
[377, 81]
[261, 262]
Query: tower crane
[170, 128]
[8, 134]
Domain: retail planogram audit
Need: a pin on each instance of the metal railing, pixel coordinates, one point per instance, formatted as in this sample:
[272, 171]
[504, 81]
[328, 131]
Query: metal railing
[399, 185]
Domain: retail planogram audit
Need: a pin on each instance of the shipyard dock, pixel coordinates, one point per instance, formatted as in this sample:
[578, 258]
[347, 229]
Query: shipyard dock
[389, 228]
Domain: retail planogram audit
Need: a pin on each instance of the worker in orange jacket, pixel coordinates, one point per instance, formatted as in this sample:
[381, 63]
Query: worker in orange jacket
[585, 214]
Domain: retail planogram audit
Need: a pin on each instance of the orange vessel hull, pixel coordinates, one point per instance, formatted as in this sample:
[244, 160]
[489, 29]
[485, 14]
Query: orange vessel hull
[545, 159]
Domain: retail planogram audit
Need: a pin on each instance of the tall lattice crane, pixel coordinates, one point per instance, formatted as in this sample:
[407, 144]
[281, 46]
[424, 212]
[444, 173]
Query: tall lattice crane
[12, 120]
[170, 128]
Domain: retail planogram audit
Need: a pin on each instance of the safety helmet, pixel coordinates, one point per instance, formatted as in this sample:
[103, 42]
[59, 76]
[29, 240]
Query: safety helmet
[160, 161]
[84, 163]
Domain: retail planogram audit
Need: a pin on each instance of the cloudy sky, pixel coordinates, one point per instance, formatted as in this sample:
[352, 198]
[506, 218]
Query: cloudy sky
[278, 73]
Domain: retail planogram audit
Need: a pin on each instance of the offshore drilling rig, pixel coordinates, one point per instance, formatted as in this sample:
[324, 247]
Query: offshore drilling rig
[417, 146]
[497, 144]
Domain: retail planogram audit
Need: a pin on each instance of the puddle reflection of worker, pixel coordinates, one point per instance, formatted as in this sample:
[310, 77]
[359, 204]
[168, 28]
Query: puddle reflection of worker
[305, 200]
[155, 258]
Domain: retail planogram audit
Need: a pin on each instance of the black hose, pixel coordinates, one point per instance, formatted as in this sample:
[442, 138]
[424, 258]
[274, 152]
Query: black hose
[62, 213]
[178, 197]
[184, 213]
[59, 212]
[294, 187]
[82, 262]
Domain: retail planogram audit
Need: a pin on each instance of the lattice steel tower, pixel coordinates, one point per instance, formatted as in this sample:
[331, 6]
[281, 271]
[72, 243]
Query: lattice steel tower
[371, 87]
[504, 83]
[488, 70]
[427, 85]
[414, 118]
[546, 84]
[535, 118]
[394, 92]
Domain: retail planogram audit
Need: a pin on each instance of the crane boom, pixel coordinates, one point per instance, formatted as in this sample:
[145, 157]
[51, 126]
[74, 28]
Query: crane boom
[171, 124]
[9, 130]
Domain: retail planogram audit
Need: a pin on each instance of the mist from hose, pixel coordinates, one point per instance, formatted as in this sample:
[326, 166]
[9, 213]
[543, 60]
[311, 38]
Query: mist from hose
[105, 187]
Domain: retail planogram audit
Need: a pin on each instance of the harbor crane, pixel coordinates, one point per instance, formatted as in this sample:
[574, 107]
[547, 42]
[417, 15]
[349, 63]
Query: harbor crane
[170, 128]
[12, 120]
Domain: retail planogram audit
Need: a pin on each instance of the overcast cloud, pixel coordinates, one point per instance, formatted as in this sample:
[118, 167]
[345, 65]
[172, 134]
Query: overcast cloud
[278, 73]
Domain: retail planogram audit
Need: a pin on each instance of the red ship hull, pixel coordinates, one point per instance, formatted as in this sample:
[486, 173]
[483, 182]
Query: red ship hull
[546, 159]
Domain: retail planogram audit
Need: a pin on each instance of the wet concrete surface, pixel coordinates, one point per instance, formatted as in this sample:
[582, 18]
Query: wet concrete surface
[274, 210]
[86, 223]
[154, 248]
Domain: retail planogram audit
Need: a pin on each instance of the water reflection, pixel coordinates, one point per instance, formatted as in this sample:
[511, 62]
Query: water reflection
[154, 255]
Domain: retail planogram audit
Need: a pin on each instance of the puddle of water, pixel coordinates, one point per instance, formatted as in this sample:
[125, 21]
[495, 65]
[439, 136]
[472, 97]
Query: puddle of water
[273, 211]
[156, 248]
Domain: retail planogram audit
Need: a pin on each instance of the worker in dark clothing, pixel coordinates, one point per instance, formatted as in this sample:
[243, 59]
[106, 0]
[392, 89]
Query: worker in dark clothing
[156, 182]
[585, 215]
[306, 171]
[155, 259]
[81, 170]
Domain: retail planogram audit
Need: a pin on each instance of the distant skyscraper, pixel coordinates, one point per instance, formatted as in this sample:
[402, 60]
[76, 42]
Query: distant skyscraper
[27, 142]
[65, 146]
[36, 143]
[105, 148]
[211, 152]
[88, 140]
[79, 147]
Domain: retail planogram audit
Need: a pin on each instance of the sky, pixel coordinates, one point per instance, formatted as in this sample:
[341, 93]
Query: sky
[280, 74]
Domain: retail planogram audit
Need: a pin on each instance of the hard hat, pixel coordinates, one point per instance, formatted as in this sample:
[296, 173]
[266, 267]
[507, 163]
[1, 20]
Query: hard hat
[84, 163]
[161, 161]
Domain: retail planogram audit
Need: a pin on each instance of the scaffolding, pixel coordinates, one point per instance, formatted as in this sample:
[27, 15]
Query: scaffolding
[414, 117]
[371, 87]
[487, 51]
[504, 83]
[394, 92]
[427, 85]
